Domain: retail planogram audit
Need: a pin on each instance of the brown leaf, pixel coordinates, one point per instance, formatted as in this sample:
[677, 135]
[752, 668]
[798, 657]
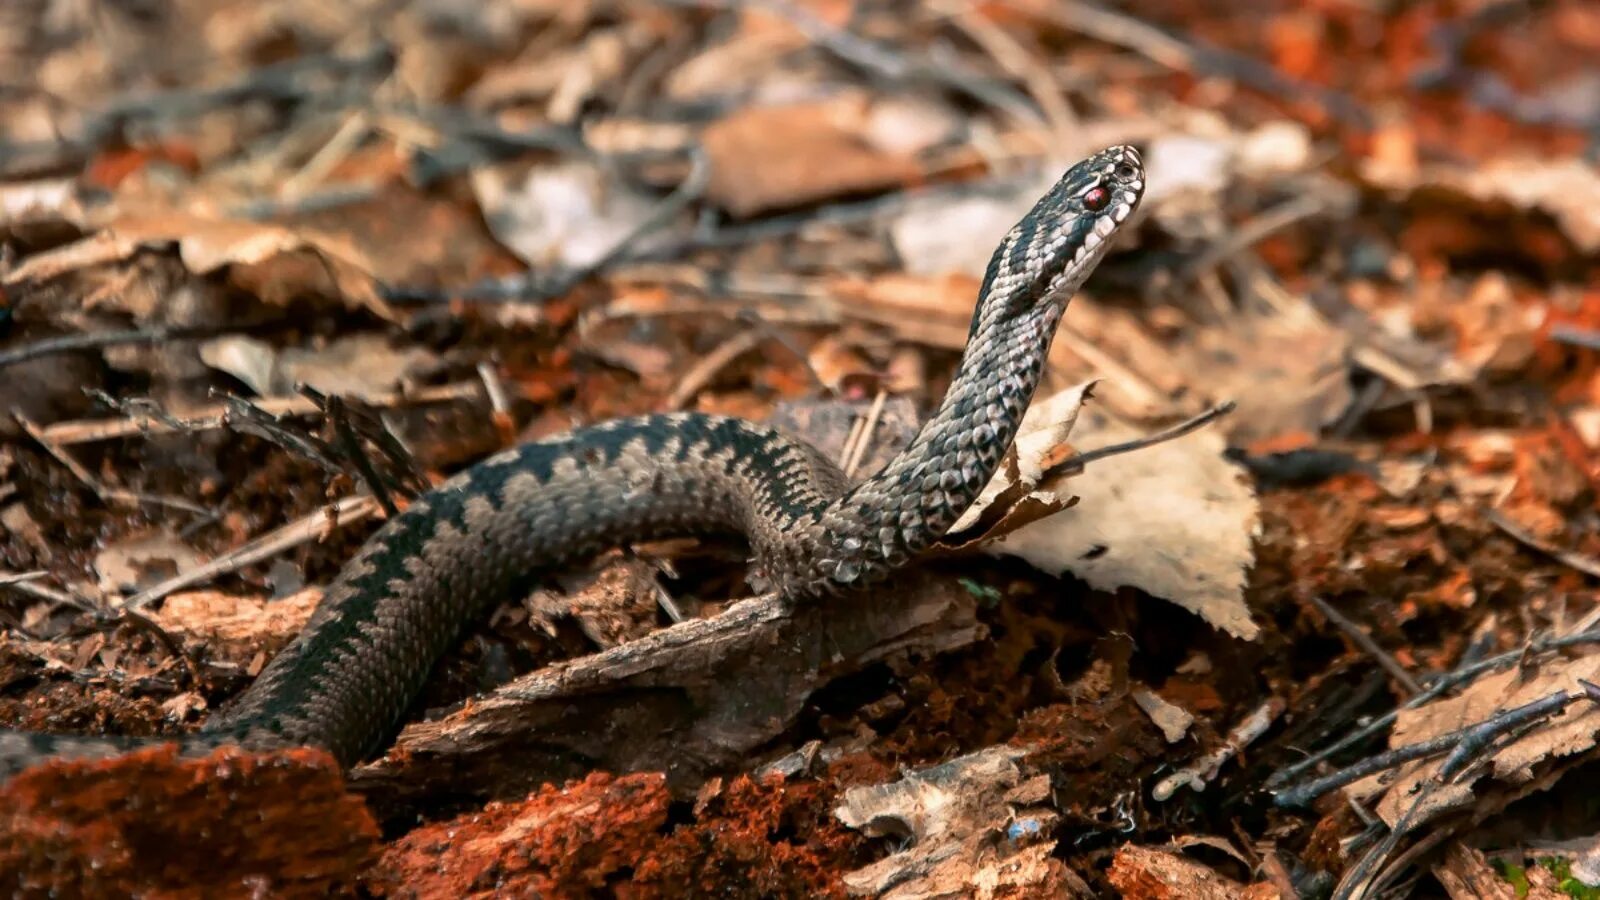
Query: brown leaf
[766, 158]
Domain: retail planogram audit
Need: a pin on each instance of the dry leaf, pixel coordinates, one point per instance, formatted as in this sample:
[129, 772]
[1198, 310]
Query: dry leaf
[1151, 873]
[367, 366]
[1175, 520]
[1415, 796]
[275, 263]
[766, 158]
[1567, 189]
[560, 216]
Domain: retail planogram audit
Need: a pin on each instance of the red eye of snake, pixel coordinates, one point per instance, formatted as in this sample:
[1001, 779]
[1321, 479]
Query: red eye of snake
[1096, 199]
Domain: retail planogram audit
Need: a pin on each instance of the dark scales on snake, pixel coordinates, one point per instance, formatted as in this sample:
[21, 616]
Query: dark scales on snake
[489, 532]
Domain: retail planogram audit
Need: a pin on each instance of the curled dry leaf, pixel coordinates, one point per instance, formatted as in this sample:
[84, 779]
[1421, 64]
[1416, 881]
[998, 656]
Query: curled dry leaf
[1175, 519]
[275, 263]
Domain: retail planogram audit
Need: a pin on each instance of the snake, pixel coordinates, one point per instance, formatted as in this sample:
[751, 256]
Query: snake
[492, 530]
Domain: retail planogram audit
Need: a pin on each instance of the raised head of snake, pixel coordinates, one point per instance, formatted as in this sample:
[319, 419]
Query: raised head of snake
[491, 531]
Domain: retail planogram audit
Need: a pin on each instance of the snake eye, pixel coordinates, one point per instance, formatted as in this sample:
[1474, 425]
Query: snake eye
[1096, 199]
[1125, 172]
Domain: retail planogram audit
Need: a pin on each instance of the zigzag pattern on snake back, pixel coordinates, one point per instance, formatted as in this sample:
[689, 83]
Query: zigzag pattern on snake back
[489, 532]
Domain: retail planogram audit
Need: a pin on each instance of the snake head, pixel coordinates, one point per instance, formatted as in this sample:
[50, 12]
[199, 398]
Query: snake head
[1049, 254]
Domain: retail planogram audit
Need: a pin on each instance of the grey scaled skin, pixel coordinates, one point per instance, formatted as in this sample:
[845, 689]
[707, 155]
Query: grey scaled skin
[493, 530]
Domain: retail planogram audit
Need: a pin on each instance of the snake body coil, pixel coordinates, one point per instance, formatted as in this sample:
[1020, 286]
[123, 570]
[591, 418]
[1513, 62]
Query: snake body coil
[402, 602]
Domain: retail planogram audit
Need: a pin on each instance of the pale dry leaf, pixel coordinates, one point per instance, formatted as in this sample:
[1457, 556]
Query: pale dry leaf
[1175, 520]
[766, 157]
[1045, 427]
[569, 215]
[138, 561]
[1416, 797]
[938, 235]
[276, 263]
[366, 366]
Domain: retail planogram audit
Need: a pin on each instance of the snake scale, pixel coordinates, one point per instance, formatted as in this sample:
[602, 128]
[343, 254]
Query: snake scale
[345, 682]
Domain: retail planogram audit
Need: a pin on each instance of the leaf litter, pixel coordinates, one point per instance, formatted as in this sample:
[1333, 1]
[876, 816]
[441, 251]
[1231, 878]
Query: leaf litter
[1310, 566]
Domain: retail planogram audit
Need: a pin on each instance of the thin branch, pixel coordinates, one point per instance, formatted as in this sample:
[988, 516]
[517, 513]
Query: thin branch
[1076, 464]
[1588, 565]
[315, 526]
[145, 421]
[1367, 644]
[1473, 737]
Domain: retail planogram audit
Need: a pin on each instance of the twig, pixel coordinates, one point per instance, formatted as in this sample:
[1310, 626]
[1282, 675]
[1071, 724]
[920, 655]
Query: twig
[893, 65]
[10, 578]
[69, 343]
[108, 495]
[1567, 333]
[1122, 30]
[1437, 688]
[530, 287]
[315, 526]
[82, 431]
[24, 584]
[1588, 565]
[1367, 644]
[1256, 229]
[1472, 738]
[1076, 464]
[353, 451]
[709, 365]
[1202, 770]
[858, 451]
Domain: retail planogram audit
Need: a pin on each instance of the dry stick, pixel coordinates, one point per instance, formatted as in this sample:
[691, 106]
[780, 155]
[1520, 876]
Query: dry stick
[891, 64]
[9, 578]
[97, 340]
[1472, 737]
[1367, 644]
[1445, 683]
[315, 526]
[108, 495]
[1164, 49]
[1262, 226]
[712, 363]
[1588, 565]
[82, 431]
[1196, 774]
[1041, 82]
[353, 451]
[24, 585]
[1073, 465]
[868, 426]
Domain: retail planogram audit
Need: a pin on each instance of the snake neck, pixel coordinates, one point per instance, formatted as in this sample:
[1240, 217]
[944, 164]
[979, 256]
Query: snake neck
[908, 505]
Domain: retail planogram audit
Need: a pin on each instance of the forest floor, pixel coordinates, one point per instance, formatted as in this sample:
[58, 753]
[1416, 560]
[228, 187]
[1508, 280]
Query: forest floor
[1315, 618]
